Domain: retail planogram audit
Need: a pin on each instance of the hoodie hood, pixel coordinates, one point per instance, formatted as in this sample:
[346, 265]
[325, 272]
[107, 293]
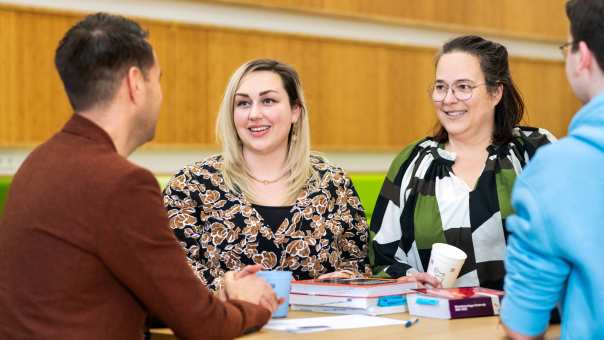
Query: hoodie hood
[588, 123]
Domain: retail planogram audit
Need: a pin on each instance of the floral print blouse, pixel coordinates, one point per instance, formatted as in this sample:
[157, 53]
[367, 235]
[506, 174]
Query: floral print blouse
[220, 230]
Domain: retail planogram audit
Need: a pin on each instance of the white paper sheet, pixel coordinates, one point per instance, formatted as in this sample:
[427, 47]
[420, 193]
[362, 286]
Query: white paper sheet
[306, 325]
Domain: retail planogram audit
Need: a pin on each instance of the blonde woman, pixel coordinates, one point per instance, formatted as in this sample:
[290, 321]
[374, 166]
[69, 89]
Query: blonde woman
[266, 199]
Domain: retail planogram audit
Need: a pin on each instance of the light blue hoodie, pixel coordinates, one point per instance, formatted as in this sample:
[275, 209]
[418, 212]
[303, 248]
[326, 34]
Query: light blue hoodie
[555, 250]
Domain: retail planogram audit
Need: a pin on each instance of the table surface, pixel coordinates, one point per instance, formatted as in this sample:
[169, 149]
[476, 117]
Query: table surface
[426, 328]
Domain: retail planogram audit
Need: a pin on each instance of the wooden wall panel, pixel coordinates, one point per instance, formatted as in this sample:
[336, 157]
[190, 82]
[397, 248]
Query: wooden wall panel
[362, 96]
[33, 103]
[376, 98]
[8, 125]
[547, 95]
[182, 54]
[535, 19]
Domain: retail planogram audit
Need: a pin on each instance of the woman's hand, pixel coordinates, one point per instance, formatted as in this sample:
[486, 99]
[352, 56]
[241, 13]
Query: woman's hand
[423, 279]
[340, 274]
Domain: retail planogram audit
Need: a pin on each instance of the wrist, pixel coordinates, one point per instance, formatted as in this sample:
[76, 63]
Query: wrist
[221, 289]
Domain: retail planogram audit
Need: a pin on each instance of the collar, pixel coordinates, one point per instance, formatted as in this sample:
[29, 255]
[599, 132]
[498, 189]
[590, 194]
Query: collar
[80, 126]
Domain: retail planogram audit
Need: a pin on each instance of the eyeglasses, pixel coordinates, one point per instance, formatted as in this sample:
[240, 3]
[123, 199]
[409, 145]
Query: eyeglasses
[564, 48]
[461, 90]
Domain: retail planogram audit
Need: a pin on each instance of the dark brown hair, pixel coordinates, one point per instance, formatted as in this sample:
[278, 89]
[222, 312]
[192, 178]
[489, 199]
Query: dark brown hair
[587, 24]
[494, 64]
[95, 54]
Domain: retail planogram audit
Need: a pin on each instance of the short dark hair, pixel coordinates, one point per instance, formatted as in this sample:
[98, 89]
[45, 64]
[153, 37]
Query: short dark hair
[587, 24]
[94, 55]
[494, 64]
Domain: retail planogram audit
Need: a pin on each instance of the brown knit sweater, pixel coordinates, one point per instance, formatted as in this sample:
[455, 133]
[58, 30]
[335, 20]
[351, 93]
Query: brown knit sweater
[86, 252]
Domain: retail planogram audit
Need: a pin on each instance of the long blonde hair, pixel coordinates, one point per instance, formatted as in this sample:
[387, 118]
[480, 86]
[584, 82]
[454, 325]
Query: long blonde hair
[235, 170]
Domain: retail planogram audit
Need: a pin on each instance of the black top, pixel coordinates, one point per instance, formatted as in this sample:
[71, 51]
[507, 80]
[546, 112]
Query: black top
[273, 216]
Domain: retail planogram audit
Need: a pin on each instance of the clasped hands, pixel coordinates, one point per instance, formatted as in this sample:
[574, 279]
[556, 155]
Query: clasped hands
[246, 286]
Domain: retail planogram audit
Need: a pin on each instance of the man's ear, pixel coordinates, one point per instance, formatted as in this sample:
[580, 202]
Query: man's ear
[135, 83]
[586, 57]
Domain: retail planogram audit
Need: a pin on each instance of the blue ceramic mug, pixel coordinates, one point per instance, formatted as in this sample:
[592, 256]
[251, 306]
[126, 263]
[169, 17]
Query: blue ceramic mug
[281, 283]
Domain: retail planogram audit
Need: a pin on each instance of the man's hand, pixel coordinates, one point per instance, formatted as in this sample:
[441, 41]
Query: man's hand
[244, 285]
[248, 270]
[518, 336]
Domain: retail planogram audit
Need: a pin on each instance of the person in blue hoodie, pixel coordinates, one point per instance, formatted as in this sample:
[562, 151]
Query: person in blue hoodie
[556, 245]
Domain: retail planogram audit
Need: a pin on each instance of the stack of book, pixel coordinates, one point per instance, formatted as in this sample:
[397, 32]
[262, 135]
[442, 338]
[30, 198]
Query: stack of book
[453, 303]
[350, 296]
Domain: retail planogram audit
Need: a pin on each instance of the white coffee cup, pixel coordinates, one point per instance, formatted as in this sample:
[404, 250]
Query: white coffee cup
[445, 263]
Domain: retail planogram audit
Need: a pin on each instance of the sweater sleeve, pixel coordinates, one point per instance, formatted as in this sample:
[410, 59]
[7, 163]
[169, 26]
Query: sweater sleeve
[536, 273]
[353, 244]
[531, 139]
[183, 214]
[141, 251]
[385, 228]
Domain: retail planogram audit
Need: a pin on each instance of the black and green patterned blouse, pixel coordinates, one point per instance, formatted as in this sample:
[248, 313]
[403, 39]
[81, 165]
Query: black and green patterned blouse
[422, 202]
[325, 230]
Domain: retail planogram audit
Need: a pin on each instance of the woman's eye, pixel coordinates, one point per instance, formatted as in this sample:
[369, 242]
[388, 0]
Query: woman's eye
[268, 101]
[464, 87]
[242, 103]
[439, 87]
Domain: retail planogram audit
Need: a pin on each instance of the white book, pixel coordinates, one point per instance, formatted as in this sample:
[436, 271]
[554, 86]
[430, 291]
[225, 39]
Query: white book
[375, 310]
[345, 301]
[453, 303]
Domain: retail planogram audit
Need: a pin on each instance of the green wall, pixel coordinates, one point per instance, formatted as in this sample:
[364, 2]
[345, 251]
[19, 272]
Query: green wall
[368, 186]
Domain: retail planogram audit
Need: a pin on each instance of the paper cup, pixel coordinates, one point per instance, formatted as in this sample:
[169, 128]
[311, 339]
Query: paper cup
[445, 263]
[281, 283]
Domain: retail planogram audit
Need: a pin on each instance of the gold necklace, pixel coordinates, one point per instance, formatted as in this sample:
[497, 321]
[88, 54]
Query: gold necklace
[266, 181]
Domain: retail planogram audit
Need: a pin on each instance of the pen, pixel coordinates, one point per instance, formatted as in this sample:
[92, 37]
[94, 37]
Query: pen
[410, 322]
[302, 329]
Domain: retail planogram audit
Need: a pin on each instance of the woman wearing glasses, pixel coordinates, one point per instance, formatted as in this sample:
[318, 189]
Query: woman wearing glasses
[266, 199]
[454, 187]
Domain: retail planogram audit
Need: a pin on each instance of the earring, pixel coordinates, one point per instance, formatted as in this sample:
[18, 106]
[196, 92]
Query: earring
[293, 133]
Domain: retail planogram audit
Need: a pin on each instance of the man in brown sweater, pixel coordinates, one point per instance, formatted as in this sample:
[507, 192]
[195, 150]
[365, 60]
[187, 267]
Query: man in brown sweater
[85, 247]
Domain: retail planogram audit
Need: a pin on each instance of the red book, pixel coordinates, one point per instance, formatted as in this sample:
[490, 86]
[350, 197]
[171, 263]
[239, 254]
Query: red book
[454, 303]
[365, 288]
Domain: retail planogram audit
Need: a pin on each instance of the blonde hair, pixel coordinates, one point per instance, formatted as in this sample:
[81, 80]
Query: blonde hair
[235, 171]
